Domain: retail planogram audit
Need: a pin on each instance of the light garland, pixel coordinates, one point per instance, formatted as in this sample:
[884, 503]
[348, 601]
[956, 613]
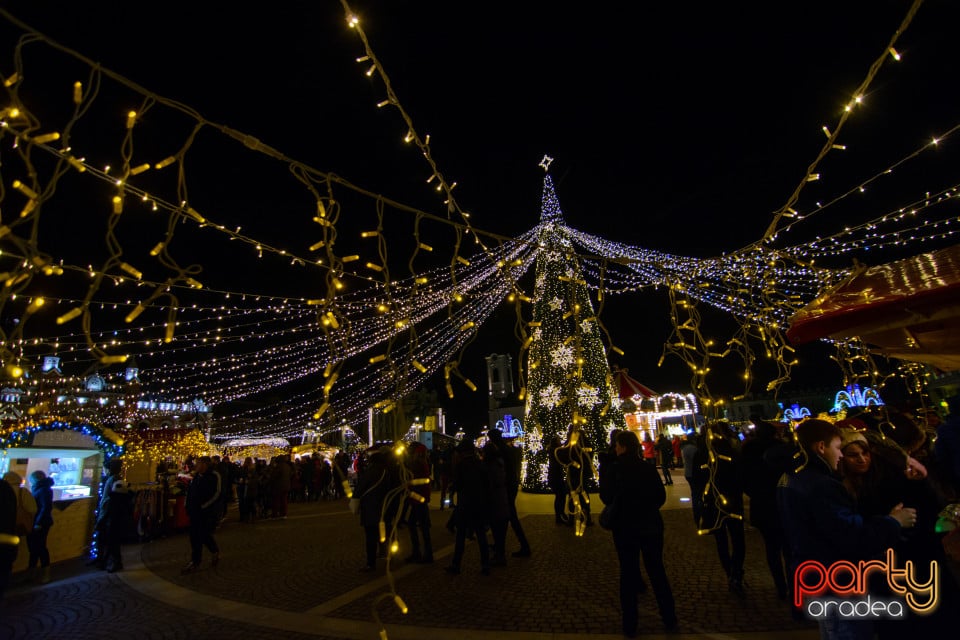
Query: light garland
[759, 285]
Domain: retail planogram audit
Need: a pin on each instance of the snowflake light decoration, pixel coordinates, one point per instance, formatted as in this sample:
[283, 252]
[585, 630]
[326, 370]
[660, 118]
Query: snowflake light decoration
[534, 439]
[562, 356]
[588, 396]
[550, 396]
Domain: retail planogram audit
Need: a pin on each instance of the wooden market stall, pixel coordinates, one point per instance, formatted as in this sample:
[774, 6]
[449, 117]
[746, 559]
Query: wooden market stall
[154, 458]
[73, 454]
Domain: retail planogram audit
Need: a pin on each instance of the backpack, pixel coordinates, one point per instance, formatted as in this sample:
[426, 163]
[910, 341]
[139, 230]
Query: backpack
[26, 512]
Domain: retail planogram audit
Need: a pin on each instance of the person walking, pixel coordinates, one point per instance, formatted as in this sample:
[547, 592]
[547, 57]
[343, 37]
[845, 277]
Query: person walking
[114, 514]
[665, 449]
[499, 511]
[473, 506]
[247, 485]
[718, 477]
[512, 463]
[39, 562]
[204, 509]
[688, 451]
[419, 517]
[375, 481]
[557, 481]
[281, 479]
[634, 490]
[579, 474]
[760, 479]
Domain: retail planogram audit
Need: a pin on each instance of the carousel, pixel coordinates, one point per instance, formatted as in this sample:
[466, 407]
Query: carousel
[649, 412]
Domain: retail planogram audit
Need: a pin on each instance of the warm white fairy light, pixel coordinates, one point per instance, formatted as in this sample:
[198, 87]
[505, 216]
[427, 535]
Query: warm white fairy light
[260, 354]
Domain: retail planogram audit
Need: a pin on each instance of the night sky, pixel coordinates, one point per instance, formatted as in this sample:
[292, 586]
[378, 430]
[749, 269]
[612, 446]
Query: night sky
[678, 126]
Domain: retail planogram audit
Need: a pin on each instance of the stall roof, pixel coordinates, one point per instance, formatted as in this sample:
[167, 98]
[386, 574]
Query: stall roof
[628, 387]
[908, 309]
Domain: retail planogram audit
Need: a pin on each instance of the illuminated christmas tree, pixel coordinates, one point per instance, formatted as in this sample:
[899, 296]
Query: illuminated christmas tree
[568, 375]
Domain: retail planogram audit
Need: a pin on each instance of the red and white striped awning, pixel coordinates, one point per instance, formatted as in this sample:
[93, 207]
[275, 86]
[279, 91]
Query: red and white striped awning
[628, 387]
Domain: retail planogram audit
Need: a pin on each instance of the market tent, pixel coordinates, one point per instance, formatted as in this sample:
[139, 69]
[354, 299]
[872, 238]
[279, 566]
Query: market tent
[628, 387]
[908, 309]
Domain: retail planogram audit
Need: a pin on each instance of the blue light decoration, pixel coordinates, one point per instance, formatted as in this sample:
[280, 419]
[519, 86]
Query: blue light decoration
[22, 436]
[852, 396]
[510, 426]
[796, 413]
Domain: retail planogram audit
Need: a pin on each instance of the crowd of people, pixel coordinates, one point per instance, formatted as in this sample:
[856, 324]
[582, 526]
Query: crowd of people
[25, 513]
[822, 491]
[835, 491]
[482, 485]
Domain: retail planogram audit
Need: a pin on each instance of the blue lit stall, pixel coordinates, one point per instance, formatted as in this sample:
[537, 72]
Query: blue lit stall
[73, 454]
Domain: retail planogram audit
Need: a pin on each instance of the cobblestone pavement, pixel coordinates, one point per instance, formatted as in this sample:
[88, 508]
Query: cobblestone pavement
[299, 578]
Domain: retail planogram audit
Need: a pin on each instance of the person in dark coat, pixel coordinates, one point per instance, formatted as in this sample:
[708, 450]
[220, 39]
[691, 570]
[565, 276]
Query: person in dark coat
[113, 516]
[512, 462]
[821, 522]
[204, 509]
[445, 473]
[637, 493]
[281, 477]
[42, 489]
[760, 484]
[665, 449]
[376, 480]
[688, 453]
[878, 485]
[579, 465]
[718, 478]
[499, 516]
[419, 499]
[8, 521]
[473, 505]
[557, 481]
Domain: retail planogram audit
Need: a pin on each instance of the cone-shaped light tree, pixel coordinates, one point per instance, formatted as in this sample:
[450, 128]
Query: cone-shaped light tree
[569, 384]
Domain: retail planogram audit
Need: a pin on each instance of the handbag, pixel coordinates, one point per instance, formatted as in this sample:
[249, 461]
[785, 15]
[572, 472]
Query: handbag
[608, 515]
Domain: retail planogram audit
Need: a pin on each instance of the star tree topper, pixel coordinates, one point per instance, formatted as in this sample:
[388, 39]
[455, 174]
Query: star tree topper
[545, 163]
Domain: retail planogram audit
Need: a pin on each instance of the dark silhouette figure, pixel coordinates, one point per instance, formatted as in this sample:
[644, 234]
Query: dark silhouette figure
[760, 479]
[636, 491]
[473, 505]
[665, 449]
[556, 479]
[204, 509]
[512, 461]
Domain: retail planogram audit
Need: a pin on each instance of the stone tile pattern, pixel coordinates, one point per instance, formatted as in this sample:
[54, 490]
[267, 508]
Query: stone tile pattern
[568, 586]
